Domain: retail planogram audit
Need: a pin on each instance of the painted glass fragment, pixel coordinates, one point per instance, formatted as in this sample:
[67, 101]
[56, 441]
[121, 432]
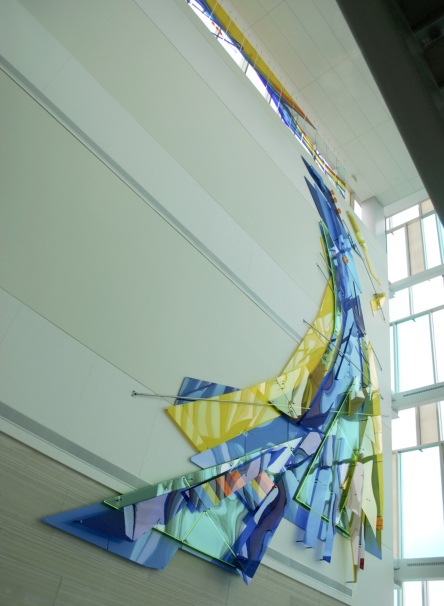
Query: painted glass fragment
[305, 446]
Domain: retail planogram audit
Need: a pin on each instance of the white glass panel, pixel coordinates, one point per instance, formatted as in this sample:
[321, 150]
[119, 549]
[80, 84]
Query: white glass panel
[254, 78]
[397, 255]
[358, 209]
[405, 215]
[274, 107]
[232, 50]
[427, 295]
[399, 305]
[421, 504]
[415, 354]
[436, 593]
[404, 429]
[433, 254]
[412, 593]
[438, 330]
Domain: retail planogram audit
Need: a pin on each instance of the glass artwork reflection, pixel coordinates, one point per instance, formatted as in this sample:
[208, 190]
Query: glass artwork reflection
[305, 446]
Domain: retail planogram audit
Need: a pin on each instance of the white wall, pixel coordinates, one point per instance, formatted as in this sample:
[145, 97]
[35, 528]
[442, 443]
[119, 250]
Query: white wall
[156, 224]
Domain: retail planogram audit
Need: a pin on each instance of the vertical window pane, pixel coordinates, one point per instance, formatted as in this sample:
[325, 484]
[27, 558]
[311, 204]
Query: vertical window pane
[421, 503]
[441, 419]
[427, 295]
[415, 354]
[416, 250]
[405, 215]
[433, 255]
[404, 429]
[438, 330]
[412, 593]
[436, 593]
[392, 359]
[399, 305]
[397, 255]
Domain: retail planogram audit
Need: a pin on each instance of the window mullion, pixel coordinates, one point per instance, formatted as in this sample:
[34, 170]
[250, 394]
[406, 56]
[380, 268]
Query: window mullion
[399, 487]
[432, 343]
[425, 593]
[396, 356]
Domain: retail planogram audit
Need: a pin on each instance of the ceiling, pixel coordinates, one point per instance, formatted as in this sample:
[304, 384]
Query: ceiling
[309, 46]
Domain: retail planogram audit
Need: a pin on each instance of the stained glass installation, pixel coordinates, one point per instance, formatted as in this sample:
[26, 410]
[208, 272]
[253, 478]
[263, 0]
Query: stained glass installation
[305, 446]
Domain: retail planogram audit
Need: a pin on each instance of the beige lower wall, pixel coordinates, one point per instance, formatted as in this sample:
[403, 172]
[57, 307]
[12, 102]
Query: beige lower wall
[41, 565]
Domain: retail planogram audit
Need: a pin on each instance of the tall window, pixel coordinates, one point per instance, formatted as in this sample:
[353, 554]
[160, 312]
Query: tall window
[415, 241]
[415, 244]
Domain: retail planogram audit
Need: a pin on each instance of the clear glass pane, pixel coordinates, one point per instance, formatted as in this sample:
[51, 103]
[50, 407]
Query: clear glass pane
[427, 295]
[412, 593]
[436, 593]
[404, 430]
[415, 354]
[438, 330]
[421, 503]
[399, 305]
[405, 215]
[433, 254]
[358, 209]
[397, 255]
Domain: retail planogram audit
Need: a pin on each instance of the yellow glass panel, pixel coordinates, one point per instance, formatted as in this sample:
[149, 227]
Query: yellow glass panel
[378, 301]
[230, 27]
[363, 245]
[207, 423]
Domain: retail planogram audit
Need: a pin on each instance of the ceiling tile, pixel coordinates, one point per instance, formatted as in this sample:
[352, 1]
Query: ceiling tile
[297, 36]
[416, 183]
[333, 16]
[404, 190]
[250, 10]
[393, 140]
[375, 111]
[362, 188]
[362, 66]
[367, 166]
[333, 86]
[284, 54]
[388, 197]
[319, 30]
[324, 107]
[270, 4]
[386, 162]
